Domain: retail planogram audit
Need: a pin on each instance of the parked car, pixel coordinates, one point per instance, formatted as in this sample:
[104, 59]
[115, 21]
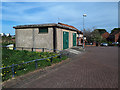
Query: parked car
[91, 43]
[104, 44]
[115, 43]
[10, 46]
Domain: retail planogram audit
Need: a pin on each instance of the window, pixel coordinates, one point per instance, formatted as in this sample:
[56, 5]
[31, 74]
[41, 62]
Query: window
[43, 30]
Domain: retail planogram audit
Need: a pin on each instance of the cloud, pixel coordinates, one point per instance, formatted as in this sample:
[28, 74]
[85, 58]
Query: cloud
[98, 14]
[30, 14]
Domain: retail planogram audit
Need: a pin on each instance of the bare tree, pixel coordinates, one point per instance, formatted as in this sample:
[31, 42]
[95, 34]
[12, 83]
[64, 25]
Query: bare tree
[88, 34]
[96, 37]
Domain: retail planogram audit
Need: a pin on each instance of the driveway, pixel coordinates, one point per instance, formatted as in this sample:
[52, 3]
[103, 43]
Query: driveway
[96, 68]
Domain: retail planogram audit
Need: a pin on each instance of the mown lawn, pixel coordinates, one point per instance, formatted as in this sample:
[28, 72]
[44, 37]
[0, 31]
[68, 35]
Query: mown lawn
[10, 57]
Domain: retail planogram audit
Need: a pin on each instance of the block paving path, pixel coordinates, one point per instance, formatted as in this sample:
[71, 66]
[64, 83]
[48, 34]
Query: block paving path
[96, 68]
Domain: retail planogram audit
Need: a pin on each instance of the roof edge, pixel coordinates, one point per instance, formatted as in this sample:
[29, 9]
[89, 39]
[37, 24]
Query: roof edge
[42, 25]
[33, 25]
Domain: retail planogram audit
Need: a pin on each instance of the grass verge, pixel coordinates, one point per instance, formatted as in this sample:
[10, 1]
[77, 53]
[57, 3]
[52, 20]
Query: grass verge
[10, 57]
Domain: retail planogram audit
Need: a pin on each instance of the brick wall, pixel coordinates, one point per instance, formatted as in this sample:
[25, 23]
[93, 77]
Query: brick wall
[117, 36]
[105, 35]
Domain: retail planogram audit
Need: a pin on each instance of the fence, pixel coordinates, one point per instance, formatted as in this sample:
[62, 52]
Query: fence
[36, 60]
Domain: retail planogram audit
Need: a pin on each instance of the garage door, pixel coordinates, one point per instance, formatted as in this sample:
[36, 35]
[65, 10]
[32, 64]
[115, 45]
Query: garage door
[65, 40]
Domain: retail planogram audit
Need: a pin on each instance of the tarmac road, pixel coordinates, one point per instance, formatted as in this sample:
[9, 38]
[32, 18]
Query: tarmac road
[97, 68]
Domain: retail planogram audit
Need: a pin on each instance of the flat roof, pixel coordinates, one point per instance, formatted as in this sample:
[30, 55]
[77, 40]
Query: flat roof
[43, 25]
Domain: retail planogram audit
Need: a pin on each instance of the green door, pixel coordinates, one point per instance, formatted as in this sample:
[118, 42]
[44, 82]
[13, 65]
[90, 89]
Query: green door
[65, 40]
[74, 39]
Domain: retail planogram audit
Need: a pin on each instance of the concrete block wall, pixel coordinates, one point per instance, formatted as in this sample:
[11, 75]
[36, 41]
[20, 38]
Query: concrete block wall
[31, 38]
[59, 34]
[59, 39]
[43, 40]
[24, 37]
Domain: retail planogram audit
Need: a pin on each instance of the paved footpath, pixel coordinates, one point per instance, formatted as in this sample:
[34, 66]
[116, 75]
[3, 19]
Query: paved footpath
[97, 68]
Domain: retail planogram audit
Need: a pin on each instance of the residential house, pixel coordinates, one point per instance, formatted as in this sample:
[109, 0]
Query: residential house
[80, 39]
[114, 36]
[117, 35]
[52, 36]
[105, 35]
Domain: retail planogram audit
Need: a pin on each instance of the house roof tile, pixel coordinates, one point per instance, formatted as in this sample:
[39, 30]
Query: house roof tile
[70, 27]
[115, 32]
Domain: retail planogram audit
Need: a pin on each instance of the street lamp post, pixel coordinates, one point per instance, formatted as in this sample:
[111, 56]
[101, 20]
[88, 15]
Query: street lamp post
[84, 15]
